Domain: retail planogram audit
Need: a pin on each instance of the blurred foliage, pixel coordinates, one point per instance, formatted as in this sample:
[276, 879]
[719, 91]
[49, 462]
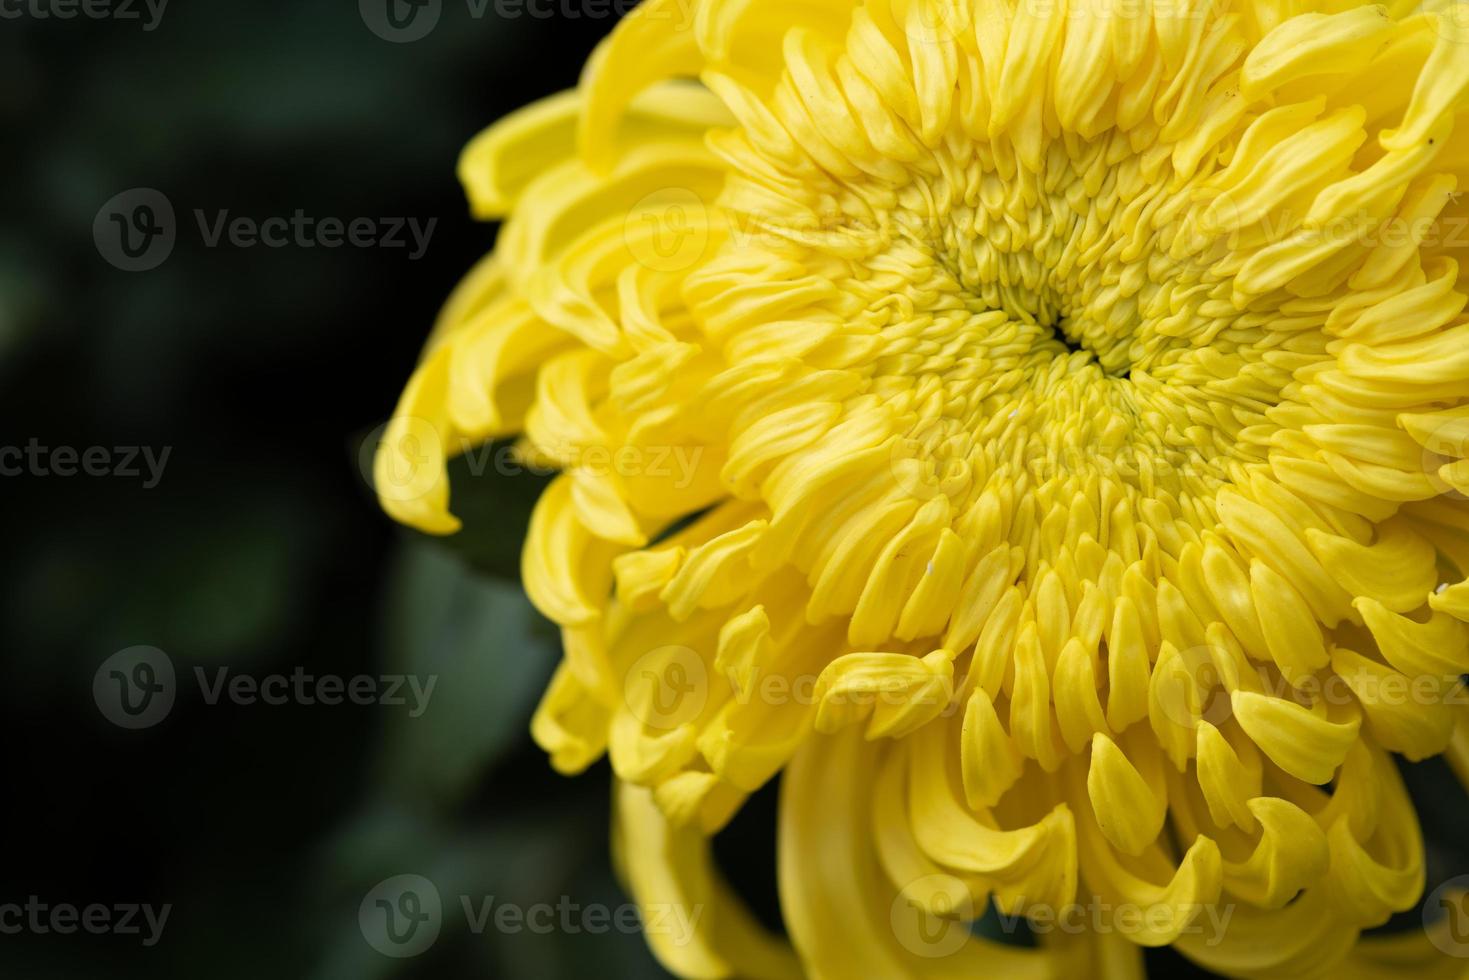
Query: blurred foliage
[261, 550]
[491, 654]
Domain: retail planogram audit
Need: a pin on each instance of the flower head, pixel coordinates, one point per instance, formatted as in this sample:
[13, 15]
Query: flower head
[1037, 429]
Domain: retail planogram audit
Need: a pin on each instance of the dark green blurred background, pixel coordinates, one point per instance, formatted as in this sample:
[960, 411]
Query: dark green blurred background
[262, 371]
[260, 549]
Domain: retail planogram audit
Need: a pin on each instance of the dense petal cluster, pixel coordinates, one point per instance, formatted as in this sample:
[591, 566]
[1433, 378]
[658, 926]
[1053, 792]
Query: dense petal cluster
[1037, 428]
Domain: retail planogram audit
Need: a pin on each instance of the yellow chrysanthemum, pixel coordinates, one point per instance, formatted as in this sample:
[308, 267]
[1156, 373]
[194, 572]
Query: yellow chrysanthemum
[1036, 429]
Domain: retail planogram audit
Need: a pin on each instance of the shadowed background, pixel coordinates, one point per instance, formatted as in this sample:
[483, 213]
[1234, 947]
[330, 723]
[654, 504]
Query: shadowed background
[262, 371]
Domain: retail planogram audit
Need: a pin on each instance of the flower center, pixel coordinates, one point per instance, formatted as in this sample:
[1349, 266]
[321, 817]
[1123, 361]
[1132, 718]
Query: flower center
[1039, 325]
[1062, 331]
